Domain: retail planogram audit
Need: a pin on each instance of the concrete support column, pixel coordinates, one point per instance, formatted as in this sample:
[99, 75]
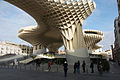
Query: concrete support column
[74, 43]
[42, 47]
[39, 49]
[71, 32]
[29, 49]
[34, 47]
[53, 49]
[39, 46]
[26, 50]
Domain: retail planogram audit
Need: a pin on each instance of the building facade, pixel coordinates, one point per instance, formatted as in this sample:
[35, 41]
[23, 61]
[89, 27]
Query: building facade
[26, 49]
[9, 48]
[13, 48]
[116, 48]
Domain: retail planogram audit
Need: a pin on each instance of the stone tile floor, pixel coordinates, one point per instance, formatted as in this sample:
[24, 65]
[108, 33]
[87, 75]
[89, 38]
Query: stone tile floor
[17, 74]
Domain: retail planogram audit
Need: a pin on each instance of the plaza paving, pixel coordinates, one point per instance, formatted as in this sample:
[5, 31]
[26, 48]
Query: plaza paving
[22, 74]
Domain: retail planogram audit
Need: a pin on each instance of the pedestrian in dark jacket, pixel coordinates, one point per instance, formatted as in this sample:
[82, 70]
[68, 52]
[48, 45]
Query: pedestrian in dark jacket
[100, 67]
[92, 67]
[65, 65]
[83, 66]
[49, 66]
[78, 66]
[75, 67]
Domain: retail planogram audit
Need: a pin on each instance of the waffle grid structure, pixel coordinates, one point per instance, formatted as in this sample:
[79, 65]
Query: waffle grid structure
[59, 21]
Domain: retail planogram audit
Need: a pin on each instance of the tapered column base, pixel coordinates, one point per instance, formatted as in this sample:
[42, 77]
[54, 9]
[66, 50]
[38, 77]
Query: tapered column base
[39, 51]
[81, 54]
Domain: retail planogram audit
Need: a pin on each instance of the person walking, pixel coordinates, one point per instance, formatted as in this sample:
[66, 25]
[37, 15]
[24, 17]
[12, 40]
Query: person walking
[75, 67]
[100, 67]
[65, 65]
[49, 66]
[38, 64]
[78, 67]
[92, 67]
[83, 66]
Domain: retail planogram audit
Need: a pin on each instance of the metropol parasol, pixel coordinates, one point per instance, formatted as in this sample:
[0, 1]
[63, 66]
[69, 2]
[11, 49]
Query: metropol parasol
[59, 22]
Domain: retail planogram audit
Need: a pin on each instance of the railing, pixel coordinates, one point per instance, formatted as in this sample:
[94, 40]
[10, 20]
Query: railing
[42, 68]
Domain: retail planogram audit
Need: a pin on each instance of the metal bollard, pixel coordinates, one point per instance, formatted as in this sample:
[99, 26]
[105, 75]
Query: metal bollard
[30, 67]
[8, 66]
[3, 66]
[25, 67]
[87, 69]
[36, 68]
[15, 66]
[57, 68]
[20, 67]
[12, 66]
[42, 68]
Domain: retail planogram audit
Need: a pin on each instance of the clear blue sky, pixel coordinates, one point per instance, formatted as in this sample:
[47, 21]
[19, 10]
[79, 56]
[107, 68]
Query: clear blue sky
[13, 18]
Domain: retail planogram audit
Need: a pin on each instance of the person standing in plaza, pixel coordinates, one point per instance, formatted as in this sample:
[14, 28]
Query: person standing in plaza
[65, 65]
[78, 66]
[38, 64]
[75, 67]
[92, 67]
[49, 66]
[83, 66]
[100, 67]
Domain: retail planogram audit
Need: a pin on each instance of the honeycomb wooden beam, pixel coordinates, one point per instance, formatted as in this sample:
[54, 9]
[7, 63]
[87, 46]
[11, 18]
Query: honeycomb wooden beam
[59, 21]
